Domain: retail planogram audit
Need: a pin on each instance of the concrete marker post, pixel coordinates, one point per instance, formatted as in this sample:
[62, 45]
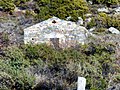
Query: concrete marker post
[81, 83]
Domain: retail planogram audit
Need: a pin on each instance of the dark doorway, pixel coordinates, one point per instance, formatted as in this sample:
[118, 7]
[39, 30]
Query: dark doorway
[55, 42]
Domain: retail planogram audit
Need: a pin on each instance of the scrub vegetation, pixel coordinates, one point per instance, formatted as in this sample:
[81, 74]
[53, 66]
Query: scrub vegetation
[95, 62]
[41, 67]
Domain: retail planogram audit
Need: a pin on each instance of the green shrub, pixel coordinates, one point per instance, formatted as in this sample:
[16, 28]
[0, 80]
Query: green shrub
[102, 20]
[92, 23]
[37, 51]
[100, 30]
[61, 8]
[91, 66]
[7, 5]
[5, 39]
[15, 65]
[18, 2]
[106, 1]
[116, 78]
[93, 61]
[109, 21]
[6, 81]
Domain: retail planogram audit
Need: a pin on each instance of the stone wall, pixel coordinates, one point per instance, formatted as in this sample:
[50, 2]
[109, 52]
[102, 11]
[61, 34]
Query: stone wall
[68, 32]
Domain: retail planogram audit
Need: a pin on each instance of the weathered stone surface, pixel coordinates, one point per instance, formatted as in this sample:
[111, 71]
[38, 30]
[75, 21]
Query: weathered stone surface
[103, 10]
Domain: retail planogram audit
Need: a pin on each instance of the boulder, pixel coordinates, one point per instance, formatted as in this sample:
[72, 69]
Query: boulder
[103, 10]
[113, 30]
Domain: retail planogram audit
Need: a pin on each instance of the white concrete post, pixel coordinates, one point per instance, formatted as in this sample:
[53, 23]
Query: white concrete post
[81, 83]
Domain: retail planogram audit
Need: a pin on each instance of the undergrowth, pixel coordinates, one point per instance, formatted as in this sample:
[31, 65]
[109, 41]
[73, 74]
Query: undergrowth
[58, 69]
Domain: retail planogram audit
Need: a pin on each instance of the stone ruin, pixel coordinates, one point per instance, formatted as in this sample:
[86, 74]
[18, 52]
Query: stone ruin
[56, 32]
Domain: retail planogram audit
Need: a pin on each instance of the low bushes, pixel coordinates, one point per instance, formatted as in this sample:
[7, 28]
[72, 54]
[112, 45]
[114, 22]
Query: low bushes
[14, 65]
[107, 2]
[10, 5]
[46, 9]
[102, 21]
[61, 9]
[7, 5]
[59, 69]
